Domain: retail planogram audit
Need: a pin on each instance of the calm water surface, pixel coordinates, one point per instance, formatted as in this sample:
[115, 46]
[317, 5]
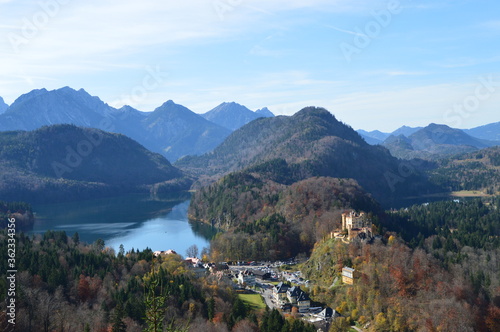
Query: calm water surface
[136, 221]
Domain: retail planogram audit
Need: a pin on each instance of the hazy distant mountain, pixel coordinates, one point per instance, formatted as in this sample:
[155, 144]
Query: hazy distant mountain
[405, 130]
[376, 134]
[371, 140]
[41, 107]
[489, 132]
[373, 137]
[377, 137]
[62, 162]
[434, 141]
[177, 131]
[3, 106]
[233, 115]
[265, 112]
[435, 134]
[310, 143]
[171, 131]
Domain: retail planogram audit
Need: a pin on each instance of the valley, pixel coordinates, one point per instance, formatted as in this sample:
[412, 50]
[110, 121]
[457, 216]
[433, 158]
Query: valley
[249, 166]
[264, 188]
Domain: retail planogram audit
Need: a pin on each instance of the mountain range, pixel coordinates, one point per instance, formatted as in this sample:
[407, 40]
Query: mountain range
[489, 132]
[286, 149]
[61, 162]
[434, 142]
[378, 137]
[172, 130]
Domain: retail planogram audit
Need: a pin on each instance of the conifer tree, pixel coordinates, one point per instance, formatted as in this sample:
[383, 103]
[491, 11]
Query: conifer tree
[118, 323]
[155, 303]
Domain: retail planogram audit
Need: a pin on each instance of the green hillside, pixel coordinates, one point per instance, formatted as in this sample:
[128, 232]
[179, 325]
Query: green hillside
[478, 170]
[64, 162]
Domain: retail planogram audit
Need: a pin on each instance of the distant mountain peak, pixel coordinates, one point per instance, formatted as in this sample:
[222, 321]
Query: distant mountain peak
[436, 125]
[32, 94]
[265, 112]
[436, 129]
[232, 106]
[64, 105]
[170, 107]
[406, 130]
[311, 143]
[432, 142]
[67, 88]
[128, 108]
[3, 105]
[231, 115]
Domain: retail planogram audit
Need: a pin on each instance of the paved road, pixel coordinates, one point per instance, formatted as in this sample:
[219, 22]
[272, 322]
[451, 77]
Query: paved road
[268, 297]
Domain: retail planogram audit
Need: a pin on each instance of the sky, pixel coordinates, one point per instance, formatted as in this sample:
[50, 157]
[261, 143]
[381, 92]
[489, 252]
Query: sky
[373, 64]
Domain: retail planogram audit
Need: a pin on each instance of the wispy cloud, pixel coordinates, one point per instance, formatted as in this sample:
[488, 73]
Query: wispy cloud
[394, 73]
[104, 46]
[346, 31]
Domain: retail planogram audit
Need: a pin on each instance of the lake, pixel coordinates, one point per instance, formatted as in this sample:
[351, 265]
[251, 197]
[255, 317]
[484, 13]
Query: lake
[136, 221]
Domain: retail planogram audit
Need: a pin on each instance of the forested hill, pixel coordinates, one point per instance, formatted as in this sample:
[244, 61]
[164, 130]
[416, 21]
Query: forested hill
[312, 143]
[478, 170]
[269, 138]
[267, 220]
[64, 161]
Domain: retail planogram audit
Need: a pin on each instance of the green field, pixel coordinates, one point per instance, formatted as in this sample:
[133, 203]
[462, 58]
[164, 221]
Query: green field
[254, 301]
[469, 193]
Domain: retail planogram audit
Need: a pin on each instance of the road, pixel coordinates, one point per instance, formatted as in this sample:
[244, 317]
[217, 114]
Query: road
[268, 297]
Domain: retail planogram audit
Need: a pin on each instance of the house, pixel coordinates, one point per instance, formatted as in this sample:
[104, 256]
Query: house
[348, 275]
[299, 298]
[280, 292]
[293, 293]
[261, 274]
[303, 302]
[246, 278]
[328, 313]
[168, 252]
[194, 261]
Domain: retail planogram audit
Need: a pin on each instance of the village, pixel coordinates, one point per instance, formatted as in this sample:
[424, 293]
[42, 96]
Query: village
[278, 284]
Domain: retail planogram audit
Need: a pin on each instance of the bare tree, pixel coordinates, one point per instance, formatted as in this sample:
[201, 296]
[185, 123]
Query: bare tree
[192, 251]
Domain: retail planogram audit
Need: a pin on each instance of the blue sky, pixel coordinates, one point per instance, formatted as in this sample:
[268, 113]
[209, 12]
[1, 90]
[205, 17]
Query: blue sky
[419, 62]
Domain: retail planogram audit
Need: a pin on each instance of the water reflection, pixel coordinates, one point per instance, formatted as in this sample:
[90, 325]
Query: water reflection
[136, 221]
